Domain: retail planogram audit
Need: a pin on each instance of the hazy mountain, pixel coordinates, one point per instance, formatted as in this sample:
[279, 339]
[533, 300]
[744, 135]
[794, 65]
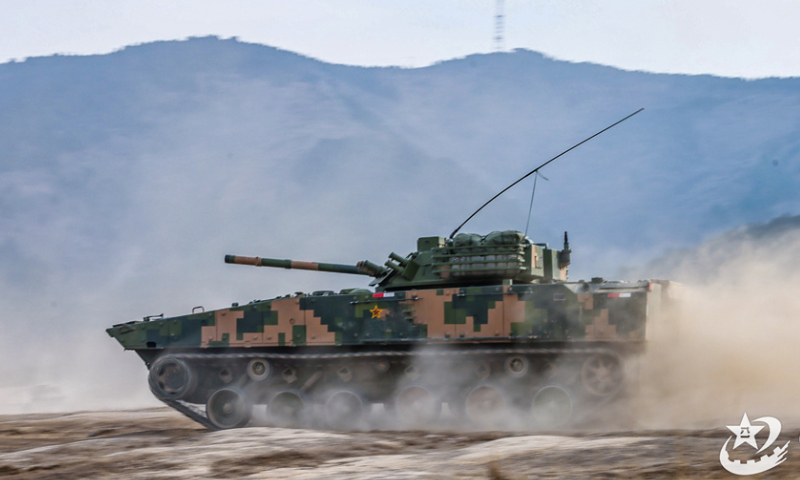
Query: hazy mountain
[125, 177]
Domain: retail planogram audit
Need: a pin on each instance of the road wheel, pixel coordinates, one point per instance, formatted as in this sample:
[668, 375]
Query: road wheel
[228, 408]
[288, 408]
[486, 406]
[602, 375]
[416, 405]
[551, 406]
[344, 410]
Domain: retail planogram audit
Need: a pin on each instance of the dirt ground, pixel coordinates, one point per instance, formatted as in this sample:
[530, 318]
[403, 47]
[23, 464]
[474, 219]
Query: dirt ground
[162, 444]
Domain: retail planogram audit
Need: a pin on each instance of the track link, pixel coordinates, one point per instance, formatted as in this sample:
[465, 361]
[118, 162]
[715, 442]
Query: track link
[198, 414]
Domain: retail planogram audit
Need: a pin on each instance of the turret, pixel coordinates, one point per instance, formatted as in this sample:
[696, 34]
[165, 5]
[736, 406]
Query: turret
[467, 259]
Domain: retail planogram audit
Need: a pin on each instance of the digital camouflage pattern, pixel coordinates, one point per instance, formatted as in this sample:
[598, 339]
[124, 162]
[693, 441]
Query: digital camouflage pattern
[538, 307]
[547, 313]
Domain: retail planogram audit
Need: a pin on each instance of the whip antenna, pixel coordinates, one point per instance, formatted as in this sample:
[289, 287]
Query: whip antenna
[541, 166]
[530, 208]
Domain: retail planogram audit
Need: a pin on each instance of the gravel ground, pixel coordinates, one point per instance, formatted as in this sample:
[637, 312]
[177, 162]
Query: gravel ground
[162, 444]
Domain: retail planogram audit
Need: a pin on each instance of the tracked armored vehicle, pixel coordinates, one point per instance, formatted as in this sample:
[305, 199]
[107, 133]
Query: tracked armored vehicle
[488, 325]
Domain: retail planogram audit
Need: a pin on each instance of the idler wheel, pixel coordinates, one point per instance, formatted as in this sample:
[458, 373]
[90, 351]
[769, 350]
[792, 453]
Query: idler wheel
[601, 375]
[485, 405]
[228, 408]
[551, 406]
[344, 410]
[171, 378]
[287, 408]
[417, 405]
[517, 366]
[258, 369]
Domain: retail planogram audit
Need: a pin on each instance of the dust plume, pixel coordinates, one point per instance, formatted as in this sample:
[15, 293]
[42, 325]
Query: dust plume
[726, 344]
[732, 345]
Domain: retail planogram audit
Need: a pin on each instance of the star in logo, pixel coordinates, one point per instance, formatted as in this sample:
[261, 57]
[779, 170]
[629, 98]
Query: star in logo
[376, 312]
[745, 432]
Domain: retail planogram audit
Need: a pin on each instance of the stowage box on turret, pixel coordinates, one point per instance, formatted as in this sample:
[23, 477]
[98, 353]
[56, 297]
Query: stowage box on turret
[488, 325]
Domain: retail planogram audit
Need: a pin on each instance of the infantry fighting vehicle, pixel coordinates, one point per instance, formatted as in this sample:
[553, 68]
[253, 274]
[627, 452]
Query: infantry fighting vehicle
[488, 325]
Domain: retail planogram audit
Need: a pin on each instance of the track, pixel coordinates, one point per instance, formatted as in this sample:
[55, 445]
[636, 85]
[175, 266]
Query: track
[198, 413]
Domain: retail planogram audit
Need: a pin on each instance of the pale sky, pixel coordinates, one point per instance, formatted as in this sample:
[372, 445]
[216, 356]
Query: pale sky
[739, 38]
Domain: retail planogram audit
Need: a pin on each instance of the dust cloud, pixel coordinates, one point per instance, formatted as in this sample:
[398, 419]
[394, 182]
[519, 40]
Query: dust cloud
[731, 345]
[75, 372]
[728, 343]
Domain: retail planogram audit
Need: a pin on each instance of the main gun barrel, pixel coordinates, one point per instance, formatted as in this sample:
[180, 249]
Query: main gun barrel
[277, 263]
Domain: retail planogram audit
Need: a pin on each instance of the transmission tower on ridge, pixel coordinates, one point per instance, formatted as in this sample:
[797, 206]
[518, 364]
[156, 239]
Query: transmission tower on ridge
[498, 26]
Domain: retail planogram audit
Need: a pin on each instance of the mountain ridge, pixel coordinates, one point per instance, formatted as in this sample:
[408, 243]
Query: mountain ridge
[471, 111]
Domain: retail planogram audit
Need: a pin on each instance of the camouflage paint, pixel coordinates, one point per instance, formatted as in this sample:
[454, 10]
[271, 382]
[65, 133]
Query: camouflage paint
[607, 312]
[425, 296]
